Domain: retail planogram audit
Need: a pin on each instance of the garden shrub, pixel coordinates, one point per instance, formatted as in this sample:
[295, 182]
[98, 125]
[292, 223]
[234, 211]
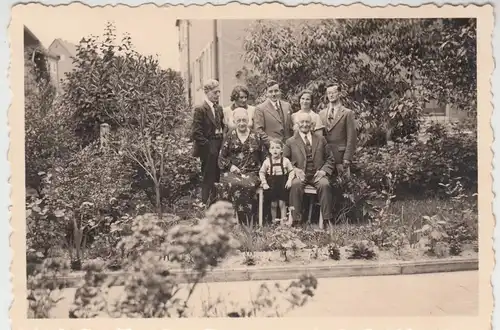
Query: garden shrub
[152, 289]
[362, 250]
[420, 167]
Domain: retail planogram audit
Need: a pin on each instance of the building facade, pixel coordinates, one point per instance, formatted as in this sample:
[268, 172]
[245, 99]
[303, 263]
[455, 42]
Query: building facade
[43, 59]
[211, 49]
[65, 51]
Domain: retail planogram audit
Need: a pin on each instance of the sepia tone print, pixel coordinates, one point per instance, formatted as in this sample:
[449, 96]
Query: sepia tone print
[253, 166]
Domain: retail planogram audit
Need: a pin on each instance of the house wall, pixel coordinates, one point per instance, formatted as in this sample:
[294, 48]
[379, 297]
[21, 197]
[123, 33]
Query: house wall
[184, 55]
[202, 54]
[65, 63]
[231, 38]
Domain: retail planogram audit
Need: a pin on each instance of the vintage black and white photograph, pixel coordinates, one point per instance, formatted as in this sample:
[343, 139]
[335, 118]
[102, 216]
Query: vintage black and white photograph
[254, 167]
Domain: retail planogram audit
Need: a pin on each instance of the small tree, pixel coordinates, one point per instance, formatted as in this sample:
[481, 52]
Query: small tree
[143, 104]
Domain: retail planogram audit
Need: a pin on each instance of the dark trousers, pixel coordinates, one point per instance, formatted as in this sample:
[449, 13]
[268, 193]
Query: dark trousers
[210, 170]
[325, 195]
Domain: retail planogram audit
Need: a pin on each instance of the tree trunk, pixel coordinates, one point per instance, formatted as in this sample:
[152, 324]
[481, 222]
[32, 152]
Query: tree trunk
[158, 200]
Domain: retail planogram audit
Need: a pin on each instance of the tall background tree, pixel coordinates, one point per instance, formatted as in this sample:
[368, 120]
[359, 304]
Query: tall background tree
[389, 68]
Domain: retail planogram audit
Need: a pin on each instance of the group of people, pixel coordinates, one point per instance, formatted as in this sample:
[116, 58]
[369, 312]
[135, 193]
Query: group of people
[242, 148]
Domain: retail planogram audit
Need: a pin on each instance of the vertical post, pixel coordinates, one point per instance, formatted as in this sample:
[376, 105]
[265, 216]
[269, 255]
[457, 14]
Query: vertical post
[104, 136]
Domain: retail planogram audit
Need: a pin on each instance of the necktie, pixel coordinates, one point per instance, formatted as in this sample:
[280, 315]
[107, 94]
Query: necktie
[280, 111]
[331, 117]
[306, 140]
[217, 117]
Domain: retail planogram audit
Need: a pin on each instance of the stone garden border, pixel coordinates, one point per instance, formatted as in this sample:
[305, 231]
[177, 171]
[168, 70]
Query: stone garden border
[290, 272]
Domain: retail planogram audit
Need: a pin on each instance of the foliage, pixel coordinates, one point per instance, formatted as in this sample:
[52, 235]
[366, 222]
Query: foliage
[43, 287]
[255, 82]
[153, 289]
[84, 200]
[284, 239]
[333, 252]
[144, 106]
[363, 250]
[421, 166]
[47, 138]
[270, 301]
[433, 232]
[388, 70]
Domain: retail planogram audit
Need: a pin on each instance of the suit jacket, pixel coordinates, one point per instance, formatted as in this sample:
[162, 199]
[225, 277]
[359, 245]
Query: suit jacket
[203, 128]
[343, 133]
[268, 123]
[323, 159]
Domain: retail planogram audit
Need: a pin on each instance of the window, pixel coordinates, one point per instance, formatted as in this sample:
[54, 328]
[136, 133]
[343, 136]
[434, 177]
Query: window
[200, 69]
[61, 57]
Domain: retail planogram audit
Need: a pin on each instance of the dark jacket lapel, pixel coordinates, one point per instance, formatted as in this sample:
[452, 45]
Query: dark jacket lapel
[338, 117]
[209, 112]
[315, 142]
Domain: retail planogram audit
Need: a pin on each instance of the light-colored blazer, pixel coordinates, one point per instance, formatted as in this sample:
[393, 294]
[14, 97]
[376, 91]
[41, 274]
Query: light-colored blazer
[268, 123]
[228, 117]
[343, 134]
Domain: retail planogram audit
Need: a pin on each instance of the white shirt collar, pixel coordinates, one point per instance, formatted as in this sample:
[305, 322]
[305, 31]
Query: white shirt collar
[306, 136]
[333, 109]
[209, 103]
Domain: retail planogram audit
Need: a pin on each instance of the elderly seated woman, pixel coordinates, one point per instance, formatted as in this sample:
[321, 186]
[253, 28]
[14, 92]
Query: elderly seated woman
[239, 161]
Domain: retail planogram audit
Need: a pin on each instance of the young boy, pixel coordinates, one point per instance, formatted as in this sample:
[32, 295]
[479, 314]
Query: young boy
[276, 175]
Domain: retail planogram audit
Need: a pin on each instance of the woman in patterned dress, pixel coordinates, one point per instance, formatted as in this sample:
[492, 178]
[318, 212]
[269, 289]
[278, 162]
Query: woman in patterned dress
[239, 161]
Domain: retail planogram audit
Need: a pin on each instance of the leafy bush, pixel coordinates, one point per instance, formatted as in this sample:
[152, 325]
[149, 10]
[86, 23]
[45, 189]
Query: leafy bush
[421, 167]
[333, 252]
[363, 250]
[145, 107]
[387, 72]
[153, 289]
[285, 239]
[44, 287]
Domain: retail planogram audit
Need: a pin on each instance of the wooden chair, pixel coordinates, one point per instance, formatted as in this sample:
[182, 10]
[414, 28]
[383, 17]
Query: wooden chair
[308, 190]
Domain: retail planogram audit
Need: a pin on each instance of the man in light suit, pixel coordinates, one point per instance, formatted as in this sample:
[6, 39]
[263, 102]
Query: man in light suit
[340, 126]
[273, 117]
[207, 134]
[313, 163]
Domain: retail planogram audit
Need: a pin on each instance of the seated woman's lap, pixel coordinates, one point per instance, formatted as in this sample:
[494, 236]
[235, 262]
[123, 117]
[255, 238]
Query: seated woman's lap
[239, 190]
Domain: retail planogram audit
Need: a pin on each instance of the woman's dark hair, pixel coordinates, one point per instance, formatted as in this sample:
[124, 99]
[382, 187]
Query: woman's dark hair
[310, 92]
[235, 94]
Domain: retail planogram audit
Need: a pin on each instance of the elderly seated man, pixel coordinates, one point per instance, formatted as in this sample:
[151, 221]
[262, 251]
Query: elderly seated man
[313, 163]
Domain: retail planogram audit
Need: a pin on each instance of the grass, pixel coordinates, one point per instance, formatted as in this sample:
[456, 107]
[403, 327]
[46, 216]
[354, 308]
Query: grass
[410, 213]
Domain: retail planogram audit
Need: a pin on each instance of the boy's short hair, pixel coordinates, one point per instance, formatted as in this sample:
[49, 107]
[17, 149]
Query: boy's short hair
[276, 141]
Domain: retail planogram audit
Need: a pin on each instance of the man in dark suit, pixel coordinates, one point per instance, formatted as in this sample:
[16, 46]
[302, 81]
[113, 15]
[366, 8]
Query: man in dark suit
[207, 134]
[273, 117]
[340, 125]
[313, 163]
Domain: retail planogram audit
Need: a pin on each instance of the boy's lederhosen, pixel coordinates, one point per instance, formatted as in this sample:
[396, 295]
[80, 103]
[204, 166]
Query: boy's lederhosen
[276, 191]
